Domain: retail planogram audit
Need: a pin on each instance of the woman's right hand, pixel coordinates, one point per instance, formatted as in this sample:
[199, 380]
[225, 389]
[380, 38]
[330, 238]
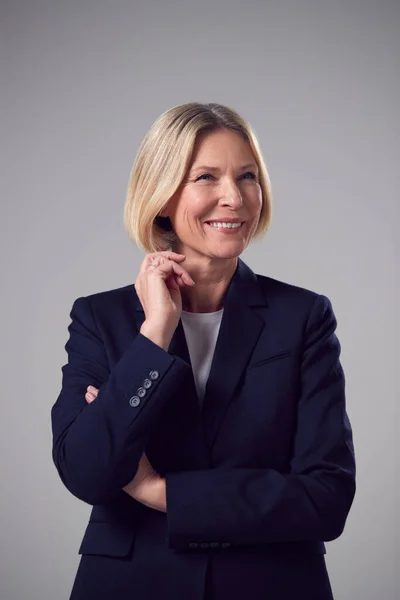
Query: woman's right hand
[158, 287]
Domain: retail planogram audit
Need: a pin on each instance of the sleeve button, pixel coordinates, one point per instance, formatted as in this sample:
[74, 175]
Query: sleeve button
[147, 384]
[214, 544]
[225, 545]
[134, 401]
[204, 545]
[193, 545]
[141, 392]
[154, 374]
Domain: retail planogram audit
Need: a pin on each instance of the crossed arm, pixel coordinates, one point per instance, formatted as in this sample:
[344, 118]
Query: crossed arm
[98, 446]
[147, 487]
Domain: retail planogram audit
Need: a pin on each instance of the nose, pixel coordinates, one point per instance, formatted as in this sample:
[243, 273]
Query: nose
[230, 195]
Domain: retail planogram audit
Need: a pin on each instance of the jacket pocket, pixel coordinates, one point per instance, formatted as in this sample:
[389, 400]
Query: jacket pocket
[107, 539]
[268, 359]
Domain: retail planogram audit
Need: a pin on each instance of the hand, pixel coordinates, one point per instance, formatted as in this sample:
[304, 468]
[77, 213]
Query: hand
[147, 486]
[158, 287]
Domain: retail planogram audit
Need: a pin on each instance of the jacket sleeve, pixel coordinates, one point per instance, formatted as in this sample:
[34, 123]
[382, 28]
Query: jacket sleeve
[259, 506]
[97, 446]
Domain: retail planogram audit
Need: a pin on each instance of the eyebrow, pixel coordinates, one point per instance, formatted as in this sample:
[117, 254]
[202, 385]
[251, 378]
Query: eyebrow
[251, 165]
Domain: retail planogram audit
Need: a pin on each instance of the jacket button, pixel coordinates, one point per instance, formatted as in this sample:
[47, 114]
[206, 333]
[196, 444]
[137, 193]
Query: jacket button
[204, 545]
[225, 545]
[154, 374]
[147, 384]
[141, 392]
[214, 544]
[134, 401]
[193, 545]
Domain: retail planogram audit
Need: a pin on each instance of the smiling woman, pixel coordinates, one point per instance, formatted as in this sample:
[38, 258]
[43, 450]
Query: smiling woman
[202, 410]
[201, 152]
[221, 199]
[199, 187]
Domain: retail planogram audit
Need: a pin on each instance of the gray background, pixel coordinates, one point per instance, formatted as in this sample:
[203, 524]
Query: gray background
[81, 82]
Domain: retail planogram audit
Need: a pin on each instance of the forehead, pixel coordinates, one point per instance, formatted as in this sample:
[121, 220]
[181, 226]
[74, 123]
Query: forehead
[222, 145]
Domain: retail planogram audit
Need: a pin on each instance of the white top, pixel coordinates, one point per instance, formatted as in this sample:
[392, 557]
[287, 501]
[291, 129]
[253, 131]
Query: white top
[201, 332]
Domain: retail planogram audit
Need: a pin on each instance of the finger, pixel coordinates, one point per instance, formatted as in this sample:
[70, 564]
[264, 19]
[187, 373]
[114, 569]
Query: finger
[89, 397]
[92, 389]
[175, 279]
[168, 254]
[181, 282]
[165, 255]
[172, 268]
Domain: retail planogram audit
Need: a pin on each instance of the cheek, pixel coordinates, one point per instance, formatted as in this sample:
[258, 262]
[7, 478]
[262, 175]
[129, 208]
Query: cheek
[195, 205]
[255, 200]
[258, 197]
[187, 215]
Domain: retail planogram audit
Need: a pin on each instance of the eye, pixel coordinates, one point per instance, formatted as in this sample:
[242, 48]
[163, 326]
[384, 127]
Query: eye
[205, 177]
[248, 175]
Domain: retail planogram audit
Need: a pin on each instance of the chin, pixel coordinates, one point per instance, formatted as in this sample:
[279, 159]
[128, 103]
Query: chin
[227, 253]
[221, 251]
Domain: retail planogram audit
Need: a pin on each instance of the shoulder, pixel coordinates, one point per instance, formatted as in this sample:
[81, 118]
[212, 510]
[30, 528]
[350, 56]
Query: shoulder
[113, 295]
[286, 297]
[108, 303]
[276, 289]
[272, 291]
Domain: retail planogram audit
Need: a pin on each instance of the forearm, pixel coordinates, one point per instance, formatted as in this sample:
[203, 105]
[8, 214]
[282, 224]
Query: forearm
[256, 506]
[96, 447]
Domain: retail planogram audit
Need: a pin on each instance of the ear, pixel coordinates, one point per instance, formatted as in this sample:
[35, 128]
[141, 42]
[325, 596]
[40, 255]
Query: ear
[163, 221]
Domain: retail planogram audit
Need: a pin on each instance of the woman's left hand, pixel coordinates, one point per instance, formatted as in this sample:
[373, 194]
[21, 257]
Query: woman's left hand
[147, 486]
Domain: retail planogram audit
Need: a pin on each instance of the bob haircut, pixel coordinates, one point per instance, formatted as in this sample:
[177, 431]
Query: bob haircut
[162, 162]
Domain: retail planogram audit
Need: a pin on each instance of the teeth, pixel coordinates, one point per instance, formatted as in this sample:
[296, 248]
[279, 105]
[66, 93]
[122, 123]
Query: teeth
[219, 225]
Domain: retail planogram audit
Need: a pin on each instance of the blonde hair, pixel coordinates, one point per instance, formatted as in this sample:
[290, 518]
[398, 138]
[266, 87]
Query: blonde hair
[161, 165]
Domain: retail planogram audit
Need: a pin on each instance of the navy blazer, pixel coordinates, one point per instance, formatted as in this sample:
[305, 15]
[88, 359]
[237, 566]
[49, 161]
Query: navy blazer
[256, 480]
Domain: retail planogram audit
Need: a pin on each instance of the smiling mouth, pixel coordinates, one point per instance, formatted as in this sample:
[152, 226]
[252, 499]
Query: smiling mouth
[225, 227]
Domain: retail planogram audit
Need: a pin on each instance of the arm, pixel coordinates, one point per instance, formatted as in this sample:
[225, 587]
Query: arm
[97, 446]
[259, 506]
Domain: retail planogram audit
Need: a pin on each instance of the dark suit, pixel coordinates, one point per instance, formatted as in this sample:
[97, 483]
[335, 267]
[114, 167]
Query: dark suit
[256, 482]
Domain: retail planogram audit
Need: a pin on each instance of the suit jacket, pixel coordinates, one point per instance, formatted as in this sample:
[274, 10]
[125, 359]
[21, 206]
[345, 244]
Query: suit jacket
[256, 480]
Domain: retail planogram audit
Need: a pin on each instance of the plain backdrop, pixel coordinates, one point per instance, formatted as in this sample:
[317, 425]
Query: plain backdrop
[81, 83]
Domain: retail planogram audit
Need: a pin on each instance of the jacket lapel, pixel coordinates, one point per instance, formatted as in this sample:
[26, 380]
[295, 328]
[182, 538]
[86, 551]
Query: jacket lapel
[178, 345]
[240, 329]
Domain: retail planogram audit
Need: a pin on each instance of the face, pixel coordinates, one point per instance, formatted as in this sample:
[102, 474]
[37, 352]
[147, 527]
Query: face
[216, 210]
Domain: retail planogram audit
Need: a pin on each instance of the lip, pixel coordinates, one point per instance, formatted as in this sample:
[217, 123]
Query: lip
[226, 230]
[227, 220]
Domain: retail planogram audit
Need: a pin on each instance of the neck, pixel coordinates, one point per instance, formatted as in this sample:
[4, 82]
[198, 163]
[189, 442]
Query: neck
[212, 278]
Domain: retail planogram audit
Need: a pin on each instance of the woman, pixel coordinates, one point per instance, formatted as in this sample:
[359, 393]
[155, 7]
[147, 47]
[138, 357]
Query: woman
[202, 410]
